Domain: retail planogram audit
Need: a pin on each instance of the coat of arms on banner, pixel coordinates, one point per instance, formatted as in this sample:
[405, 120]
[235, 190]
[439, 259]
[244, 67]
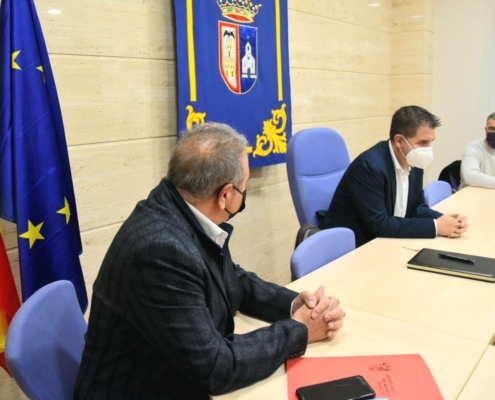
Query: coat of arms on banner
[232, 62]
[238, 56]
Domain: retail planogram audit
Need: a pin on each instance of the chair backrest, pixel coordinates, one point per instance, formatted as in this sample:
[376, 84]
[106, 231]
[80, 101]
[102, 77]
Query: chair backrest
[436, 191]
[316, 160]
[305, 232]
[452, 174]
[320, 249]
[45, 342]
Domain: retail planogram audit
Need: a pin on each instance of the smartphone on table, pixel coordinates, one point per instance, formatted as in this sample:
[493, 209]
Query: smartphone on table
[351, 388]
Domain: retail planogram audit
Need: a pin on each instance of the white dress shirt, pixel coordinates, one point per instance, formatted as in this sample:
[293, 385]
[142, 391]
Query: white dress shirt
[402, 178]
[214, 232]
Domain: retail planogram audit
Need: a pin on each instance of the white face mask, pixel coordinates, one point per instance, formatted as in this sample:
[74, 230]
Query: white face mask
[419, 157]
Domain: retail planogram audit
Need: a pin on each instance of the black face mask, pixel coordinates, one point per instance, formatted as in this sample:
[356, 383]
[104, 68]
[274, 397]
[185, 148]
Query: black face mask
[490, 138]
[242, 207]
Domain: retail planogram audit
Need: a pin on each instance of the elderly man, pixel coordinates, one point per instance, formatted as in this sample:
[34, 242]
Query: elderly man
[478, 161]
[162, 314]
[381, 193]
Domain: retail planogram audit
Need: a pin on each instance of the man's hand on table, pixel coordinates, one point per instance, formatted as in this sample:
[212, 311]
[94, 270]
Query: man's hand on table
[321, 314]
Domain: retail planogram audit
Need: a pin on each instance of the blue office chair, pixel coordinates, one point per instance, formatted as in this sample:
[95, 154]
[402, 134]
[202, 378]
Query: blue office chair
[316, 160]
[437, 191]
[45, 342]
[320, 249]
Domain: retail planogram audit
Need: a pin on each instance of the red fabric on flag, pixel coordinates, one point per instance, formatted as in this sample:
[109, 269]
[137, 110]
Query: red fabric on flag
[9, 299]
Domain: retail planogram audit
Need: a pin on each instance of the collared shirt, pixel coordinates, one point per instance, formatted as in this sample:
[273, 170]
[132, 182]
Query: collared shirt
[214, 232]
[402, 178]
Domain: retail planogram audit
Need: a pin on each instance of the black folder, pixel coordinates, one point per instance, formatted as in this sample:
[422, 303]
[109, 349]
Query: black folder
[481, 268]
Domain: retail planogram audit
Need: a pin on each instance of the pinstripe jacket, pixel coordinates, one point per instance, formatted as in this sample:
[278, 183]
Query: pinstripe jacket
[161, 323]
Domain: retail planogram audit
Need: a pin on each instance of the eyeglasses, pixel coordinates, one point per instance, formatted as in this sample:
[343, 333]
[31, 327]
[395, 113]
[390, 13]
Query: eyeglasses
[239, 190]
[235, 188]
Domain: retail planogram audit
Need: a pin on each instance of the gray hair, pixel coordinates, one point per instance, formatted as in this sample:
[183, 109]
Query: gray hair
[491, 116]
[206, 158]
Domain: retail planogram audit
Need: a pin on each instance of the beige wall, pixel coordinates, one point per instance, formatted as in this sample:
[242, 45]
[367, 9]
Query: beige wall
[352, 64]
[412, 52]
[464, 76]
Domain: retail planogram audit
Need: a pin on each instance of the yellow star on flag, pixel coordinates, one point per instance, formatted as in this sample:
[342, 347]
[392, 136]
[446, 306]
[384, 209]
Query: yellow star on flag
[33, 233]
[14, 56]
[40, 68]
[65, 211]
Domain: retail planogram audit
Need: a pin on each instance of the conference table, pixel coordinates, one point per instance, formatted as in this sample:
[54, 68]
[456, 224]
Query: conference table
[375, 276]
[391, 309]
[481, 384]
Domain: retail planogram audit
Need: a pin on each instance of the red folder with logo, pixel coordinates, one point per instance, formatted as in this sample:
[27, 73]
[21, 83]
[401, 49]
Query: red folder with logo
[392, 377]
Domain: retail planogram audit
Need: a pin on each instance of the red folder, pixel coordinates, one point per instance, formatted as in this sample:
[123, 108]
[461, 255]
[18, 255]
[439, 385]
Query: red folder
[393, 377]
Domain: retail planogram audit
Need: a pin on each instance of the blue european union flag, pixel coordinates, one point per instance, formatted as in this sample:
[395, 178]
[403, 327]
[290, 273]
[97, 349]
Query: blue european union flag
[36, 189]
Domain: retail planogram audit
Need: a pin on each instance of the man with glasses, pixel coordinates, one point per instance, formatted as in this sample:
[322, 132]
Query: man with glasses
[162, 315]
[478, 161]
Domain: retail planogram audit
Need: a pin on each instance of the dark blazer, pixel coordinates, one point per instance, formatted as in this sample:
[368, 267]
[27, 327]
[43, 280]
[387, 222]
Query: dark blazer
[365, 200]
[161, 323]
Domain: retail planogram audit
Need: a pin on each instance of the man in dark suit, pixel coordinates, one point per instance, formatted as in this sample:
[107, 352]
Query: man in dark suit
[381, 193]
[162, 315]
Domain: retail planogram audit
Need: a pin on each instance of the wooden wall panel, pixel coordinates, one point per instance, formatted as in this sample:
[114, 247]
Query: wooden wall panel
[411, 89]
[106, 99]
[134, 28]
[412, 15]
[413, 53]
[114, 65]
[367, 13]
[319, 43]
[329, 95]
[111, 178]
[359, 134]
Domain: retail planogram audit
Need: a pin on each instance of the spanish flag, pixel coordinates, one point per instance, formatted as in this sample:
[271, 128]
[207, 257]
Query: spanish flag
[9, 300]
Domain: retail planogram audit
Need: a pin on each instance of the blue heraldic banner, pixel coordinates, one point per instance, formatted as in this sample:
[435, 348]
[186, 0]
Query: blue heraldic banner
[36, 190]
[233, 67]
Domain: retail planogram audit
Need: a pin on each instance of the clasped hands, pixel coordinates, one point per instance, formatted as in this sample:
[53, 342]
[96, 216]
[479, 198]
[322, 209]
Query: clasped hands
[321, 314]
[452, 225]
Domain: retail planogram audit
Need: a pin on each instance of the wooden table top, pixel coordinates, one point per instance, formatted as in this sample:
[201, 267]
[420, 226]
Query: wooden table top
[375, 277]
[451, 359]
[390, 309]
[481, 384]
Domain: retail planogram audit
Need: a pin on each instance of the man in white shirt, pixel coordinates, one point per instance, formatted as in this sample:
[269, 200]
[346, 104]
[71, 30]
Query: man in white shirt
[478, 161]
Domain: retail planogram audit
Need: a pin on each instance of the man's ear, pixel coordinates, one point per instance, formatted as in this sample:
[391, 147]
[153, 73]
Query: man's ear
[224, 195]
